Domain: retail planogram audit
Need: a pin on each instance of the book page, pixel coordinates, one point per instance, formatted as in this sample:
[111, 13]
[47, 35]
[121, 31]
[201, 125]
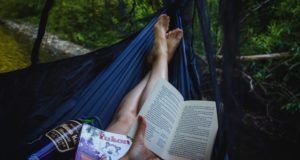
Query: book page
[162, 111]
[196, 131]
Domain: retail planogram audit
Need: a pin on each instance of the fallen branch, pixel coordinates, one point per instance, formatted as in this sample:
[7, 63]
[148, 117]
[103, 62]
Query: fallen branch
[261, 57]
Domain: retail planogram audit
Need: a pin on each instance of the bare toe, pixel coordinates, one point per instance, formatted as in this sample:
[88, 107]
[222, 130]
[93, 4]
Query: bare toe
[173, 40]
[179, 33]
[162, 24]
[165, 20]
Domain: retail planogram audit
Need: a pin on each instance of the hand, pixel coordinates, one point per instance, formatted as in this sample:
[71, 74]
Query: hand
[138, 150]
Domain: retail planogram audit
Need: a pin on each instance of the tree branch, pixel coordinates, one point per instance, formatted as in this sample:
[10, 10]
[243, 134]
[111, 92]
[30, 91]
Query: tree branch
[261, 57]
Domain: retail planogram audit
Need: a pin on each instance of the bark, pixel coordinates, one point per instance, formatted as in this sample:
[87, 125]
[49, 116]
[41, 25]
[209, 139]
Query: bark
[262, 57]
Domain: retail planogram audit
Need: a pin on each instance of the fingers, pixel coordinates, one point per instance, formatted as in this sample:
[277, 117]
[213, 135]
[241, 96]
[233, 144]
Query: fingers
[139, 136]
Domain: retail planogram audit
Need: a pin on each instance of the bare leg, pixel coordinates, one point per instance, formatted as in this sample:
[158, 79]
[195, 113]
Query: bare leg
[128, 109]
[161, 58]
[131, 103]
[159, 54]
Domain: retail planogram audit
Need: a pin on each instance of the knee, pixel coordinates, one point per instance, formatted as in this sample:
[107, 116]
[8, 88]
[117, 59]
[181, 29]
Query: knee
[125, 119]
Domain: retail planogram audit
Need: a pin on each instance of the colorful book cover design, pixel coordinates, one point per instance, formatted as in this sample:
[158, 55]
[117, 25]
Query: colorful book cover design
[95, 144]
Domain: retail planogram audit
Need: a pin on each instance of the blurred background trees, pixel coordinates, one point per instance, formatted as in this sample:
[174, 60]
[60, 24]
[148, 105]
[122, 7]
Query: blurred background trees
[91, 23]
[266, 26]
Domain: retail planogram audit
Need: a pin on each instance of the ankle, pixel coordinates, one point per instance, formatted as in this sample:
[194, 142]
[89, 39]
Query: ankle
[162, 57]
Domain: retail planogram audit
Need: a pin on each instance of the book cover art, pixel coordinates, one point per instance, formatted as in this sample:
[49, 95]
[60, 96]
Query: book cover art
[95, 144]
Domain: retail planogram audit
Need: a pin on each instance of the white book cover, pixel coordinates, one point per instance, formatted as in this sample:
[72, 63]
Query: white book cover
[95, 144]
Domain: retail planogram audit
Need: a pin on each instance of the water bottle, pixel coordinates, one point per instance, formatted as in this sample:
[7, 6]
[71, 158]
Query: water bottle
[58, 142]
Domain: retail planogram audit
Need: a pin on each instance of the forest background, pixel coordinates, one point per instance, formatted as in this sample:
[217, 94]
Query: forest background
[266, 27]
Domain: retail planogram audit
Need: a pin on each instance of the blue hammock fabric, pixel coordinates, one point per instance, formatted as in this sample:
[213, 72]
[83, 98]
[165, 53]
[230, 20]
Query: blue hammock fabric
[102, 96]
[44, 95]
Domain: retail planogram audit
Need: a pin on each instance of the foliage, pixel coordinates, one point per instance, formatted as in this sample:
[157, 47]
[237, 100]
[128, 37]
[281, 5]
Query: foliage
[91, 23]
[274, 28]
[9, 48]
[292, 107]
[216, 32]
[266, 26]
[20, 9]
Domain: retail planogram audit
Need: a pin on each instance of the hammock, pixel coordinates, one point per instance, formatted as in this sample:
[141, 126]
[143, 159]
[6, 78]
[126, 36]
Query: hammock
[37, 98]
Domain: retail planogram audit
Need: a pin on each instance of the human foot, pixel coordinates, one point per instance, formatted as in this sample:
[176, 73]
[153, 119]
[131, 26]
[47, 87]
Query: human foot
[160, 47]
[173, 40]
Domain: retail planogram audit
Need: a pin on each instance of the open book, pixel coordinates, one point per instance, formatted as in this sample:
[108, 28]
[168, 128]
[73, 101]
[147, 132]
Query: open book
[178, 129]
